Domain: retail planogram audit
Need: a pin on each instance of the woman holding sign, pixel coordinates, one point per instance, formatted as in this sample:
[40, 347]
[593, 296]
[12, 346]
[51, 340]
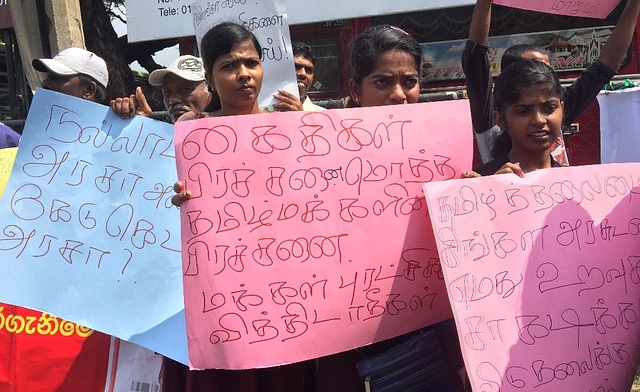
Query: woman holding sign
[233, 71]
[385, 67]
[231, 59]
[529, 109]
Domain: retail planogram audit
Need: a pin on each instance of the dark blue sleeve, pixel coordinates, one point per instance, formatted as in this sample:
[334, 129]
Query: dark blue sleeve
[8, 137]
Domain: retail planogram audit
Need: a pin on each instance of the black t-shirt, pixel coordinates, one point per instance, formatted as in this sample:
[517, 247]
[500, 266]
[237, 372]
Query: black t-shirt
[492, 167]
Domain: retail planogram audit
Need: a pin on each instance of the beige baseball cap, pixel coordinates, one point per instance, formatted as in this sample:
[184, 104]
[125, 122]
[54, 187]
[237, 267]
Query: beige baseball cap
[74, 61]
[186, 67]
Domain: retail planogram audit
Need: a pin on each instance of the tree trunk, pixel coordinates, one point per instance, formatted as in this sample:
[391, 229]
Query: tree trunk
[101, 38]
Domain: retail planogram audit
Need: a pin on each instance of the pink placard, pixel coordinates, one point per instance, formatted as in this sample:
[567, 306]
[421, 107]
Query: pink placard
[584, 9]
[307, 233]
[543, 275]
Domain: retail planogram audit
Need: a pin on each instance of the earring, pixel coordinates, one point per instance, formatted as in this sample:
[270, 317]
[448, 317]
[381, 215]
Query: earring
[357, 100]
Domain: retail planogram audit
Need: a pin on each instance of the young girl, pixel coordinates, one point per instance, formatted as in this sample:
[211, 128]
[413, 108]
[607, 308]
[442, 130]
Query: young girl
[385, 65]
[231, 59]
[529, 108]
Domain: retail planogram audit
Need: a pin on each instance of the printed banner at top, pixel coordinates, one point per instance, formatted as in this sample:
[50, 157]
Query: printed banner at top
[584, 9]
[267, 20]
[87, 229]
[543, 274]
[157, 19]
[304, 224]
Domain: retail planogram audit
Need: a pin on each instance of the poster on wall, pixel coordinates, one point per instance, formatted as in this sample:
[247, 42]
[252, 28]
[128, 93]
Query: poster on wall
[568, 50]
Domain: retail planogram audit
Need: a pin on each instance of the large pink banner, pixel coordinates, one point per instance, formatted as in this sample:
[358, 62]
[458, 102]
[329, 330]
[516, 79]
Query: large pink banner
[585, 9]
[543, 275]
[307, 234]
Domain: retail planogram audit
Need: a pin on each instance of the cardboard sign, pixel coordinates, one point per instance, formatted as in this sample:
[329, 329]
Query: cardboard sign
[582, 9]
[543, 276]
[307, 233]
[87, 231]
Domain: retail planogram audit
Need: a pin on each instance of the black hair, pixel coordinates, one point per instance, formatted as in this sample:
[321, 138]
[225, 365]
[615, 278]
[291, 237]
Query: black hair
[100, 95]
[299, 48]
[510, 84]
[376, 40]
[515, 53]
[220, 40]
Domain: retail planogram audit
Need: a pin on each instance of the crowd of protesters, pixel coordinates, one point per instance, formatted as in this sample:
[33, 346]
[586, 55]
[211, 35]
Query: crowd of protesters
[519, 123]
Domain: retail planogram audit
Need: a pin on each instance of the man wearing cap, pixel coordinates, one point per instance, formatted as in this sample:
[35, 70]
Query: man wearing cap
[76, 72]
[183, 89]
[54, 358]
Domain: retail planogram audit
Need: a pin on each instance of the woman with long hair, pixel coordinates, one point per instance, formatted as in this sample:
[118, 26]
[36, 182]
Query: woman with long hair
[233, 71]
[231, 58]
[529, 109]
[385, 65]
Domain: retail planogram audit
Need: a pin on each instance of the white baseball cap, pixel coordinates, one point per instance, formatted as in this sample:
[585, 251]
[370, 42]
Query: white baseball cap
[186, 67]
[74, 61]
